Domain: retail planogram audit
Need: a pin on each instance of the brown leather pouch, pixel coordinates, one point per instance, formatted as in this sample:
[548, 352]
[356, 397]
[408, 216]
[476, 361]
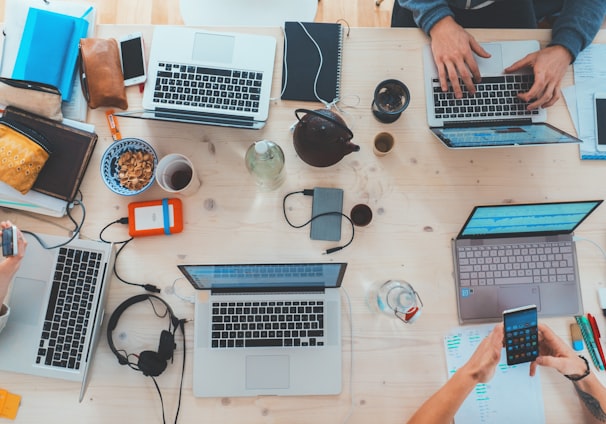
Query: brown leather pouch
[23, 153]
[35, 97]
[101, 73]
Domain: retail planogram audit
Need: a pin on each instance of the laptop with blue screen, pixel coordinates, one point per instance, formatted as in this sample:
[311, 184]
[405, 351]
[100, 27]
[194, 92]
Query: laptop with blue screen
[267, 329]
[511, 255]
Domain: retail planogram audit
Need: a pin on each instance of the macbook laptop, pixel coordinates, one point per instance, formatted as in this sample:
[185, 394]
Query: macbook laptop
[267, 329]
[511, 255]
[57, 304]
[493, 116]
[206, 77]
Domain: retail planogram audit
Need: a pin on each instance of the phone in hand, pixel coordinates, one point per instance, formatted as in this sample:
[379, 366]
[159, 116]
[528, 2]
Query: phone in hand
[9, 241]
[599, 100]
[132, 58]
[521, 334]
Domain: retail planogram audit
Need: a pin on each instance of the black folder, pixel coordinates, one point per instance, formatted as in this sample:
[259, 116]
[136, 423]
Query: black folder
[71, 149]
[302, 61]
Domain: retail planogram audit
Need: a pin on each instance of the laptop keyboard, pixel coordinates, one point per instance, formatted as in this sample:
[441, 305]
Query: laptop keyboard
[71, 302]
[267, 324]
[195, 86]
[495, 97]
[516, 264]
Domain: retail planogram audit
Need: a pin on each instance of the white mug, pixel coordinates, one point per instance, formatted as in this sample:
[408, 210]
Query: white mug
[176, 174]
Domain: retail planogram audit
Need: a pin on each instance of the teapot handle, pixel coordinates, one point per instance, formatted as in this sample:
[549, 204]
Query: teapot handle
[328, 118]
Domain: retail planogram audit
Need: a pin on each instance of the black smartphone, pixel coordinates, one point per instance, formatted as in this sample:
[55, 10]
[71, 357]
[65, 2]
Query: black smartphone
[521, 334]
[132, 57]
[9, 241]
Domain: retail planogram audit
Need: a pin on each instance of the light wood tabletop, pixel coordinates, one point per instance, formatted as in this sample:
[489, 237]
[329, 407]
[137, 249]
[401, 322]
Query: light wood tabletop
[420, 195]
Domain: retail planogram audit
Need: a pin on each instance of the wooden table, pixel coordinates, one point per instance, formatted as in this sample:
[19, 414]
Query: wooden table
[420, 195]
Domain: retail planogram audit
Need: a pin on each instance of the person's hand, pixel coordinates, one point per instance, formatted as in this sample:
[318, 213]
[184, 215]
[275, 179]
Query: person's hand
[555, 353]
[21, 243]
[482, 364]
[453, 49]
[549, 66]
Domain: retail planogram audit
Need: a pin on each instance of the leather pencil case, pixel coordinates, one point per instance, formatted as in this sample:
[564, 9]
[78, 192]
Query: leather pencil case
[101, 73]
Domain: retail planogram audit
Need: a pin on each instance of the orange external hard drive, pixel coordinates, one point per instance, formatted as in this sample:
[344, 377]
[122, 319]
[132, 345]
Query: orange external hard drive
[155, 217]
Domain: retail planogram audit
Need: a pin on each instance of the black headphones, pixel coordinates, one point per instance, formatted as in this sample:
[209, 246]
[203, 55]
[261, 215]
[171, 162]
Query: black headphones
[150, 363]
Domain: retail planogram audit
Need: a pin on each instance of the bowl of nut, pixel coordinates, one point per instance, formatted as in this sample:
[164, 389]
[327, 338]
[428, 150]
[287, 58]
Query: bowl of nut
[127, 166]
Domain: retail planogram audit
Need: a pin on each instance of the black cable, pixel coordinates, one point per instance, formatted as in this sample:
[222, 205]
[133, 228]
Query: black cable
[148, 287]
[77, 226]
[310, 192]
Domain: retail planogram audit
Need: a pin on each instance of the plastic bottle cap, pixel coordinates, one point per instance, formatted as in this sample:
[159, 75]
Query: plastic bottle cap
[261, 147]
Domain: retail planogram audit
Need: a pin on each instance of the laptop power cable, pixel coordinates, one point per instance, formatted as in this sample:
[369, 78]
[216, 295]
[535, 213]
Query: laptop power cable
[124, 220]
[310, 192]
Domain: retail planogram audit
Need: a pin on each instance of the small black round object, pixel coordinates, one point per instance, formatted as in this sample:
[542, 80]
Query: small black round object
[361, 215]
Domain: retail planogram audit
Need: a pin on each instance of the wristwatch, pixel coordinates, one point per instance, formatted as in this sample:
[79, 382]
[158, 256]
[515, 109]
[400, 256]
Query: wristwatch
[577, 377]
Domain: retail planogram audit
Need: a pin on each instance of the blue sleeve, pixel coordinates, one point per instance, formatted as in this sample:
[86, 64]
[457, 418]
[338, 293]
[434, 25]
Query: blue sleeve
[577, 25]
[427, 13]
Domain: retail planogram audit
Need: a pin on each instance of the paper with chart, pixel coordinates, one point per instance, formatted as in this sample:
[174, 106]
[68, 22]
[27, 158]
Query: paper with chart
[510, 396]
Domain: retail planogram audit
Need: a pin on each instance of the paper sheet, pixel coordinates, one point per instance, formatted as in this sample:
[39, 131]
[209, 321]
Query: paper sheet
[510, 396]
[589, 76]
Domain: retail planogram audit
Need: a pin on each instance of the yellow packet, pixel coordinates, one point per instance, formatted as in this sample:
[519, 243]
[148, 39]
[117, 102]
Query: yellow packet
[9, 404]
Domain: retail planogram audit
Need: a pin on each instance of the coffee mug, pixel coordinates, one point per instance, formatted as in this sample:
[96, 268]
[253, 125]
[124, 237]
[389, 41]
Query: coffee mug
[383, 144]
[391, 98]
[176, 174]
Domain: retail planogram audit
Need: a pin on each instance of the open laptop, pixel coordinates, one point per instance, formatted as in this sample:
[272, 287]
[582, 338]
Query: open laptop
[206, 77]
[512, 255]
[494, 116]
[57, 342]
[267, 329]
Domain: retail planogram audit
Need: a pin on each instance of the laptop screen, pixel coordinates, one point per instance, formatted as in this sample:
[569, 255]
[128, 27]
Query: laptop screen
[526, 219]
[267, 276]
[502, 135]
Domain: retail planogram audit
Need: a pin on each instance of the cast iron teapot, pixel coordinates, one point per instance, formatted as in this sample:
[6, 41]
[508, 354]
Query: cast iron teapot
[321, 137]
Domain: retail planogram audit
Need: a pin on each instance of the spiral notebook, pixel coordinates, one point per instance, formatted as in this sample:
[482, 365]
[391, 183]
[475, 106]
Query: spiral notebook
[303, 62]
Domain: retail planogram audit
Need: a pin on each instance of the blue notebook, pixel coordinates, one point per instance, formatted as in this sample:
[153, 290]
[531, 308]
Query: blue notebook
[48, 51]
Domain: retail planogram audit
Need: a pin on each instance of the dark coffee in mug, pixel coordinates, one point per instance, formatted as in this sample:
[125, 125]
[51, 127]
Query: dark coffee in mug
[180, 179]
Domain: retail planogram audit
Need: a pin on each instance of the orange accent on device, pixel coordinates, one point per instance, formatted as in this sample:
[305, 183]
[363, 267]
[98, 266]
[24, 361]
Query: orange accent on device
[155, 217]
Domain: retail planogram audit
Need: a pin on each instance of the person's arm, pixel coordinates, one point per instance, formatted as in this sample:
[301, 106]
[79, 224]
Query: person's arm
[555, 353]
[574, 29]
[442, 406]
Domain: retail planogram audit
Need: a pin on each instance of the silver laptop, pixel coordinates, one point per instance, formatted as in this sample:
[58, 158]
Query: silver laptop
[207, 77]
[57, 304]
[493, 116]
[510, 255]
[267, 329]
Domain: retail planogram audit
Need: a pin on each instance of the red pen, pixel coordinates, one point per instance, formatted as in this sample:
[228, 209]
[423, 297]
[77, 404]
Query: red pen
[596, 335]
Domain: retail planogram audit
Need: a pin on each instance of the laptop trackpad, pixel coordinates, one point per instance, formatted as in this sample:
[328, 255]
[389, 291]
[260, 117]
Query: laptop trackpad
[267, 372]
[492, 65]
[522, 295]
[26, 300]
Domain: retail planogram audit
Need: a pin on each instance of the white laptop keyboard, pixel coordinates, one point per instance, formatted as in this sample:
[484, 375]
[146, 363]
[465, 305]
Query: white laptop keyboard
[71, 302]
[271, 323]
[516, 264]
[495, 97]
[195, 86]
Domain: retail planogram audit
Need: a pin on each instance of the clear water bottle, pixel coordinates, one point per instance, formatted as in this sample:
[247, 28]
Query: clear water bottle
[265, 161]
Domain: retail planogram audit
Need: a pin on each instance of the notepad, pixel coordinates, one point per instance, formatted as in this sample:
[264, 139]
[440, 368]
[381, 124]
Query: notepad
[71, 149]
[303, 64]
[48, 50]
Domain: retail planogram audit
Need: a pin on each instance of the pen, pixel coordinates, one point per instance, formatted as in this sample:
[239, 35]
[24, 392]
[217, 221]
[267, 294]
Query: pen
[113, 125]
[590, 342]
[596, 336]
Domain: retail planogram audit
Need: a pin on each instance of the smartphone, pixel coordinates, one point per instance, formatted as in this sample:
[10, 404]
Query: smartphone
[521, 334]
[132, 57]
[600, 121]
[9, 241]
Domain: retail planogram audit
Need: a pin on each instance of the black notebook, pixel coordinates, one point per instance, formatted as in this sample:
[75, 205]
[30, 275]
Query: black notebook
[70, 148]
[302, 61]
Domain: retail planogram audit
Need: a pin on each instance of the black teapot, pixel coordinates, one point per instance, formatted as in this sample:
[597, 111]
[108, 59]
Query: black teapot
[321, 137]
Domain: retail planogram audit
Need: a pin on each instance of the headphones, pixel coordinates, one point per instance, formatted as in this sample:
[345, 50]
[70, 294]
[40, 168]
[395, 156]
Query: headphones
[150, 363]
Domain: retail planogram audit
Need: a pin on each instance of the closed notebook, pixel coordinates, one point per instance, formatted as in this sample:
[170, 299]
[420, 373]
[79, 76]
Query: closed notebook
[48, 50]
[302, 61]
[71, 152]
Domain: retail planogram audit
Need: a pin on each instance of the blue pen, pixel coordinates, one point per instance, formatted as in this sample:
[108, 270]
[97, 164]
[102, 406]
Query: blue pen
[90, 9]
